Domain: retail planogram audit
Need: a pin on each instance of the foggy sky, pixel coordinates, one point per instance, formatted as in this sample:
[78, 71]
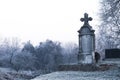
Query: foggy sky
[38, 20]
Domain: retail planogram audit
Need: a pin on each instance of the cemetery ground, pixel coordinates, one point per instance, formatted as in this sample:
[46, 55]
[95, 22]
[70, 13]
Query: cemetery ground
[112, 72]
[11, 74]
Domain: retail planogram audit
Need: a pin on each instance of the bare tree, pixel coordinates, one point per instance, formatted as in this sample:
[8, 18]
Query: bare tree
[70, 52]
[49, 55]
[24, 61]
[109, 30]
[8, 48]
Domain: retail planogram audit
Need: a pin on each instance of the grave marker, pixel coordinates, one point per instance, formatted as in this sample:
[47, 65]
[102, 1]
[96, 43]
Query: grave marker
[86, 42]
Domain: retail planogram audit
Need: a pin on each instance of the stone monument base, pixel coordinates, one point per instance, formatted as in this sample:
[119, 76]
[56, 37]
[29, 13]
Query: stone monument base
[78, 67]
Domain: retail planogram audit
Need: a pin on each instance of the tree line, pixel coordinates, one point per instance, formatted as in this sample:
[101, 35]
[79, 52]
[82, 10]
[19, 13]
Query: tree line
[46, 56]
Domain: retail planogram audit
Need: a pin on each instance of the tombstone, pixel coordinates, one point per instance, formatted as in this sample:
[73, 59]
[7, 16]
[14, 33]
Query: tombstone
[86, 54]
[86, 42]
[112, 53]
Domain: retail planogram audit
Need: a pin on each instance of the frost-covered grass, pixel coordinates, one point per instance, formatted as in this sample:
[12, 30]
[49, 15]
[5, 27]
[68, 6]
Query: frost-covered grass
[11, 74]
[112, 74]
[78, 75]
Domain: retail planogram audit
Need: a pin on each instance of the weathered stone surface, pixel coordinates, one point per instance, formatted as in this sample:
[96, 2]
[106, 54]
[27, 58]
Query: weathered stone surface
[86, 42]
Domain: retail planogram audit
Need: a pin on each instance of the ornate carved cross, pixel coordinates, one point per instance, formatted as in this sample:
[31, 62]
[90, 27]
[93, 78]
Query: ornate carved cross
[86, 19]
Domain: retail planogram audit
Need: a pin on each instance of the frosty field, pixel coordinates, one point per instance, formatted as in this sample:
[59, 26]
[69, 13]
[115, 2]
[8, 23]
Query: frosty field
[111, 74]
[73, 75]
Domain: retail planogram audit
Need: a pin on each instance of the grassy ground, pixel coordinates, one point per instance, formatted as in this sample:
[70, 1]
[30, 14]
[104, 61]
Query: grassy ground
[112, 74]
[10, 74]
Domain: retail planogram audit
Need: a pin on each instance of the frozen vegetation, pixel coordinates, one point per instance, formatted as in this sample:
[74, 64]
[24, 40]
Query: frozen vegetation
[10, 74]
[77, 75]
[112, 74]
[27, 62]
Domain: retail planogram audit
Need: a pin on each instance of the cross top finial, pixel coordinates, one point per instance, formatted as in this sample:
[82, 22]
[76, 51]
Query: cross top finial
[86, 19]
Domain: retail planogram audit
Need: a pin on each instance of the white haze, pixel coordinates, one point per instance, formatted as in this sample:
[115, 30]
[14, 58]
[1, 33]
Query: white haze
[38, 20]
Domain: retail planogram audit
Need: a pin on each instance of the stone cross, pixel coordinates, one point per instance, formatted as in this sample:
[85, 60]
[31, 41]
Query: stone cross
[86, 19]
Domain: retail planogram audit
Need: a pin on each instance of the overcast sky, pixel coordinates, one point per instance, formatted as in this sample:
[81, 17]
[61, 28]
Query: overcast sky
[38, 20]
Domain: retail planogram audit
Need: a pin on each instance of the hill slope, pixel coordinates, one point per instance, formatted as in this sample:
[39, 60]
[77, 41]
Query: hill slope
[77, 75]
[111, 74]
